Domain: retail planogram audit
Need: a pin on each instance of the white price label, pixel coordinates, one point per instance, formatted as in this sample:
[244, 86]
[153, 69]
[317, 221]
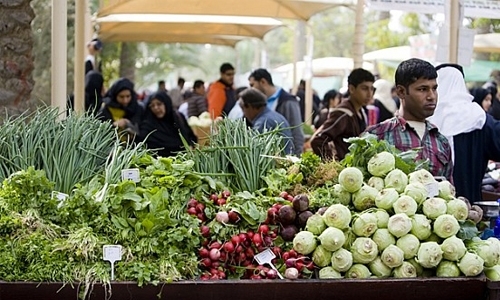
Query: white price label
[131, 174]
[432, 189]
[112, 253]
[59, 196]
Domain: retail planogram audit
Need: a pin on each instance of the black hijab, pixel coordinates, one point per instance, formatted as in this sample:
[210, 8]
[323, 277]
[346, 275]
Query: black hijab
[479, 95]
[133, 111]
[165, 133]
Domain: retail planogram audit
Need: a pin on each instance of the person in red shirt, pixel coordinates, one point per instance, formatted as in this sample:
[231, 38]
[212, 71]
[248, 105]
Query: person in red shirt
[221, 96]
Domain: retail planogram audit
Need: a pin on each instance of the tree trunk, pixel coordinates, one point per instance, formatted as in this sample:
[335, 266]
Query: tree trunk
[127, 60]
[16, 60]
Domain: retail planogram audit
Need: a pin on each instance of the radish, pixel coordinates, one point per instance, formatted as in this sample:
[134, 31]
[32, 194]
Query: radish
[291, 273]
[215, 245]
[214, 254]
[200, 207]
[284, 195]
[272, 274]
[192, 202]
[203, 252]
[221, 201]
[214, 198]
[257, 240]
[229, 247]
[206, 262]
[234, 217]
[226, 194]
[264, 229]
[236, 240]
[222, 217]
[192, 211]
[205, 231]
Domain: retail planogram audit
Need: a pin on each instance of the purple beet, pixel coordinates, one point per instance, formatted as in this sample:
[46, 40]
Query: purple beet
[287, 215]
[288, 232]
[300, 202]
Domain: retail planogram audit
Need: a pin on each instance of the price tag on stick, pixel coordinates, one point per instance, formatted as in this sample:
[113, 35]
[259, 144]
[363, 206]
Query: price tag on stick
[131, 174]
[112, 253]
[266, 257]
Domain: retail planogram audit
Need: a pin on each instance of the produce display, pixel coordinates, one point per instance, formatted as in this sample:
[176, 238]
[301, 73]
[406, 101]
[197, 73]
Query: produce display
[208, 213]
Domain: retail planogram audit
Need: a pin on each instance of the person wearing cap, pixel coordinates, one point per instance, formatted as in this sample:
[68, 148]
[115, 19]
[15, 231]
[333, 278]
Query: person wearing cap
[473, 134]
[253, 103]
[94, 47]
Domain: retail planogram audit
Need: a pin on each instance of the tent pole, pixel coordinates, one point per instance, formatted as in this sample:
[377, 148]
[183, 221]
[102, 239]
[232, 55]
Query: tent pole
[359, 31]
[454, 26]
[308, 76]
[79, 76]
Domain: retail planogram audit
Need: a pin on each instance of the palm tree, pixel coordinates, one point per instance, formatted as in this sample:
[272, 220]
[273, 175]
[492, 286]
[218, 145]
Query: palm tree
[16, 80]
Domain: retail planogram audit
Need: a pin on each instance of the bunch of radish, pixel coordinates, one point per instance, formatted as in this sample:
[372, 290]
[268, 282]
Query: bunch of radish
[196, 208]
[220, 259]
[291, 217]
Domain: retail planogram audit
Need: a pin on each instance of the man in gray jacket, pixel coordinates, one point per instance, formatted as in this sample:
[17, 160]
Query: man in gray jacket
[281, 102]
[197, 103]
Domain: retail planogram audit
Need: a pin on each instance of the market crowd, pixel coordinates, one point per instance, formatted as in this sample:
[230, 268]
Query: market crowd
[429, 108]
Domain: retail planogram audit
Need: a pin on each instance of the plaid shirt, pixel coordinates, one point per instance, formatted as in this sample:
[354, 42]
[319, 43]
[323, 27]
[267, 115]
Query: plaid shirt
[434, 146]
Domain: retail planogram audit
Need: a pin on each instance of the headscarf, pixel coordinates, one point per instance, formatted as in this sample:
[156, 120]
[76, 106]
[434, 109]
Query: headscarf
[93, 88]
[383, 94]
[123, 84]
[479, 94]
[455, 112]
[495, 102]
[164, 132]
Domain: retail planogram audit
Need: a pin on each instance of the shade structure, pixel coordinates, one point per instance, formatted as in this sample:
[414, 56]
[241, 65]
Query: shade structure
[488, 42]
[169, 28]
[287, 9]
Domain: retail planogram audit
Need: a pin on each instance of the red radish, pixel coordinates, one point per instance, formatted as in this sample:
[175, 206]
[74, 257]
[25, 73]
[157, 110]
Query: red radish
[257, 240]
[277, 251]
[216, 264]
[242, 257]
[201, 217]
[243, 237]
[214, 197]
[299, 265]
[286, 255]
[238, 249]
[203, 252]
[284, 195]
[291, 273]
[226, 194]
[292, 253]
[249, 252]
[200, 207]
[205, 231]
[192, 202]
[214, 254]
[222, 217]
[250, 234]
[221, 201]
[234, 217]
[191, 211]
[214, 271]
[268, 241]
[310, 266]
[206, 262]
[272, 274]
[236, 240]
[264, 229]
[289, 198]
[229, 247]
[290, 262]
[215, 245]
[205, 243]
[222, 275]
[255, 277]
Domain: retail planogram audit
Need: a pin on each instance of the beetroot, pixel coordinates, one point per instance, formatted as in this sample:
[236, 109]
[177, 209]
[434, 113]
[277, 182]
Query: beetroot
[288, 232]
[300, 202]
[303, 216]
[287, 214]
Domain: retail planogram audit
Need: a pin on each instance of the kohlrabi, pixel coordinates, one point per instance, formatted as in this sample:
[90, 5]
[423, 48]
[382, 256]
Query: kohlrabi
[332, 238]
[376, 182]
[446, 190]
[421, 227]
[396, 179]
[351, 179]
[364, 224]
[379, 269]
[383, 238]
[429, 254]
[304, 242]
[338, 216]
[453, 248]
[364, 198]
[386, 198]
[409, 244]
[406, 205]
[364, 250]
[471, 264]
[405, 270]
[381, 163]
[417, 191]
[399, 225]
[434, 207]
[445, 226]
[342, 260]
[392, 256]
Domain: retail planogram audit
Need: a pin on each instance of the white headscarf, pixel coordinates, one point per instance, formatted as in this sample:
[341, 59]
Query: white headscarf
[383, 94]
[455, 112]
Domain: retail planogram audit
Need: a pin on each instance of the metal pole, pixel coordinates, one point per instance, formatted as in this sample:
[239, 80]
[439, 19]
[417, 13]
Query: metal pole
[300, 40]
[358, 47]
[308, 77]
[59, 55]
[79, 76]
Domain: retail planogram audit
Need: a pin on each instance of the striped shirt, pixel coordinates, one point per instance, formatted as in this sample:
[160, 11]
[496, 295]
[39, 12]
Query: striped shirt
[433, 146]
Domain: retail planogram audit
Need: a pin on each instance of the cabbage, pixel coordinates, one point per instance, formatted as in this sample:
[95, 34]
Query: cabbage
[447, 268]
[351, 179]
[453, 248]
[434, 207]
[405, 270]
[446, 226]
[364, 250]
[315, 224]
[304, 242]
[399, 225]
[386, 198]
[381, 163]
[417, 191]
[409, 244]
[342, 196]
[341, 260]
[446, 190]
[382, 218]
[392, 256]
[379, 269]
[396, 179]
[458, 209]
[471, 264]
[338, 216]
[429, 254]
[421, 227]
[423, 176]
[376, 182]
[332, 238]
[383, 238]
[364, 198]
[358, 271]
[364, 224]
[406, 205]
[328, 273]
[321, 257]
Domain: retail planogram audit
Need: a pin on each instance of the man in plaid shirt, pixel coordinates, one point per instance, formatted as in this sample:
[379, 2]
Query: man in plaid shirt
[417, 88]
